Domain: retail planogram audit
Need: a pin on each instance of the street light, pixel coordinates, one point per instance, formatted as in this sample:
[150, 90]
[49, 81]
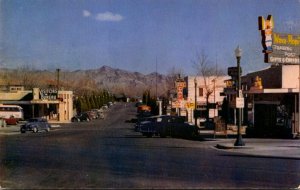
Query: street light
[215, 107]
[195, 117]
[238, 55]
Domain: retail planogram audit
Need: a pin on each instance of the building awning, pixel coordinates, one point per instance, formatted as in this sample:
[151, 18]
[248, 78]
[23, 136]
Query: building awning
[272, 91]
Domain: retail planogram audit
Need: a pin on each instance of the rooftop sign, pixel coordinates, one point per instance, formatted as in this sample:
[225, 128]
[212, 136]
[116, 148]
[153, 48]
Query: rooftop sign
[278, 47]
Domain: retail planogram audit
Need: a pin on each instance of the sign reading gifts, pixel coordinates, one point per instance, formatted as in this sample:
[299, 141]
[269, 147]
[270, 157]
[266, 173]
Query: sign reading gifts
[278, 47]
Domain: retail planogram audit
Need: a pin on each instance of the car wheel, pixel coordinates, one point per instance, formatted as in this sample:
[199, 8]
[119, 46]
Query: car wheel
[47, 129]
[149, 135]
[162, 135]
[35, 130]
[23, 130]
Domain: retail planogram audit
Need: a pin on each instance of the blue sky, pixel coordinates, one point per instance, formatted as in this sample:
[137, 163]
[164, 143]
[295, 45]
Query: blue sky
[136, 34]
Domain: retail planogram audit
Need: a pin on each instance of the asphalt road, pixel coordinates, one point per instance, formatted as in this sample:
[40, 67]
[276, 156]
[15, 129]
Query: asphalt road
[110, 154]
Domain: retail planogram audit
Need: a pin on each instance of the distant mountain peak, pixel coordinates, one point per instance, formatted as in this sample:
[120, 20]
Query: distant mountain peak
[106, 68]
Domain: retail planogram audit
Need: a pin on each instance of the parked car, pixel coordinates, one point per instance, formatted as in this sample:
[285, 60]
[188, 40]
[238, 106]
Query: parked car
[92, 114]
[104, 107]
[35, 125]
[178, 128]
[141, 121]
[165, 125]
[81, 117]
[99, 113]
[150, 126]
[110, 104]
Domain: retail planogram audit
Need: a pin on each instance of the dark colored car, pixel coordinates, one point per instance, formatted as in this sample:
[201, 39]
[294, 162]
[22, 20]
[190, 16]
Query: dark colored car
[165, 125]
[81, 117]
[35, 125]
[144, 116]
[177, 127]
[142, 121]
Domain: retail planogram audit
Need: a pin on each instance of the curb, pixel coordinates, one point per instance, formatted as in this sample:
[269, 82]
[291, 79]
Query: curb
[229, 146]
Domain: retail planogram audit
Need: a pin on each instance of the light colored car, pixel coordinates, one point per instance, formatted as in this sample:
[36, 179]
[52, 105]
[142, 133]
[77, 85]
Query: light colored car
[104, 107]
[35, 125]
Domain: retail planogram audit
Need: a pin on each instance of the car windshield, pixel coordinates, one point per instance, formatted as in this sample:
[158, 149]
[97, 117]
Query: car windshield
[33, 120]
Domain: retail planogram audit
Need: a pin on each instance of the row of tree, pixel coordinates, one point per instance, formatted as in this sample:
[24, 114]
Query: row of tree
[94, 100]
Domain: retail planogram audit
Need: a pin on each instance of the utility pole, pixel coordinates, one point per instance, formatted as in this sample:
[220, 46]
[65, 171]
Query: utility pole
[57, 85]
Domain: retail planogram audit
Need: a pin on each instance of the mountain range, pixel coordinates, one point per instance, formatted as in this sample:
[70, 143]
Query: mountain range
[121, 81]
[117, 81]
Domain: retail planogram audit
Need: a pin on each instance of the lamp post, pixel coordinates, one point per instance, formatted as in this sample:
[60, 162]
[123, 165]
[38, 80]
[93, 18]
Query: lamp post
[238, 55]
[195, 117]
[215, 107]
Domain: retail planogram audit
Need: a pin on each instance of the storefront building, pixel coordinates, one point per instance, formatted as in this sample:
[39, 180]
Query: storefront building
[52, 104]
[272, 102]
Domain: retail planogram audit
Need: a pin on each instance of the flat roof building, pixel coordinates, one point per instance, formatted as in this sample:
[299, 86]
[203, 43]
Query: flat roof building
[55, 105]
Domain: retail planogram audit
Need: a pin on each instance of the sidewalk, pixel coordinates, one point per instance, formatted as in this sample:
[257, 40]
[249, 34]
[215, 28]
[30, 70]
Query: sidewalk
[10, 130]
[273, 148]
[256, 147]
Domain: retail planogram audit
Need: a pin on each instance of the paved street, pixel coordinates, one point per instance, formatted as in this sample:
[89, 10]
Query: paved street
[110, 154]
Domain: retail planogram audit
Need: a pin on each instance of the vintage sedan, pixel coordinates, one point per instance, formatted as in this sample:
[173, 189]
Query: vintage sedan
[81, 117]
[165, 125]
[35, 125]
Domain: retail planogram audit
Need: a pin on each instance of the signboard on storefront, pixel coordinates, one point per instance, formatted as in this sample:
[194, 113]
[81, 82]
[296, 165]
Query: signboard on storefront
[48, 94]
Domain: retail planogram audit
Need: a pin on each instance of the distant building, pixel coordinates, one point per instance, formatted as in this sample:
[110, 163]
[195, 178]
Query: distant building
[55, 105]
[215, 84]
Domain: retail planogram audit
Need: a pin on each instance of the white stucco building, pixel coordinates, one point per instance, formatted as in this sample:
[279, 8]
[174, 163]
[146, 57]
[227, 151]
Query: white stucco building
[198, 88]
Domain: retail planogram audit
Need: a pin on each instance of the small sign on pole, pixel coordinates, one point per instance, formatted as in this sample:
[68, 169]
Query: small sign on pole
[239, 103]
[240, 93]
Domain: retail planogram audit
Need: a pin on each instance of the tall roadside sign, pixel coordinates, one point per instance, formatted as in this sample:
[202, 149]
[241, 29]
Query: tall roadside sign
[278, 47]
[180, 85]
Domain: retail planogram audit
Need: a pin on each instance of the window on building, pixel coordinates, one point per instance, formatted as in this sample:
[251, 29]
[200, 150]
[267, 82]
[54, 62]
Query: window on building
[201, 92]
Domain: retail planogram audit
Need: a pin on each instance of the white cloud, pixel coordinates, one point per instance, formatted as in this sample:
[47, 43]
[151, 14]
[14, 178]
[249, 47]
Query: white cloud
[109, 16]
[86, 13]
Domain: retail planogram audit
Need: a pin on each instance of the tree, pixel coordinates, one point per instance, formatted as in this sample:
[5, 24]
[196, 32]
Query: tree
[209, 72]
[173, 75]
